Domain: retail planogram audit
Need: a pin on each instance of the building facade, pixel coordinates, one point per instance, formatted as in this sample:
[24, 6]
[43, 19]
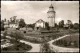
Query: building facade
[39, 24]
[51, 16]
[12, 23]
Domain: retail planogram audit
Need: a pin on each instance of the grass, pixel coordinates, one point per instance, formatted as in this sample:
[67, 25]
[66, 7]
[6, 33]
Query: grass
[65, 42]
[74, 37]
[21, 47]
[34, 38]
[2, 42]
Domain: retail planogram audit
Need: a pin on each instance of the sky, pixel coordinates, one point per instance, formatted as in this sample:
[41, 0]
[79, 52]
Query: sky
[31, 11]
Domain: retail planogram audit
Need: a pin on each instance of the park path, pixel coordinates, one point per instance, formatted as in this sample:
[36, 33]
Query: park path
[51, 45]
[61, 49]
[35, 47]
[50, 42]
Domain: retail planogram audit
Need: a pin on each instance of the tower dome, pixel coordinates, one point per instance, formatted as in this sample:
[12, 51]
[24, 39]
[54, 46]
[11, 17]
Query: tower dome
[51, 6]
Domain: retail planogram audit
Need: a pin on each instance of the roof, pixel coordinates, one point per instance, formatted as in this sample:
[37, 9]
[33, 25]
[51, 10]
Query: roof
[52, 9]
[51, 6]
[40, 20]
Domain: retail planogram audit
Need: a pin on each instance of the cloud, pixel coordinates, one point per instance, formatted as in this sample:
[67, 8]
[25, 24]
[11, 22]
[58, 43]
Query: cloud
[32, 11]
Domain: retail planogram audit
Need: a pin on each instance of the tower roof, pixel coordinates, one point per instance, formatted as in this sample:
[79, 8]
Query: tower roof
[40, 20]
[51, 6]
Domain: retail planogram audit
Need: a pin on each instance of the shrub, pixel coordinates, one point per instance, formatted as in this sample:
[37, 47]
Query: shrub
[4, 49]
[18, 47]
[64, 43]
[75, 44]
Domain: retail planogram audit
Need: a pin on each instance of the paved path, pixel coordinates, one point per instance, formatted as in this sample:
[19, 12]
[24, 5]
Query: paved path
[61, 49]
[51, 45]
[35, 47]
[50, 42]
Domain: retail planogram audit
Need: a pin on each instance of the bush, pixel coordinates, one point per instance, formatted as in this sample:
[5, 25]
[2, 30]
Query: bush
[18, 47]
[46, 47]
[76, 44]
[65, 43]
[76, 26]
[4, 49]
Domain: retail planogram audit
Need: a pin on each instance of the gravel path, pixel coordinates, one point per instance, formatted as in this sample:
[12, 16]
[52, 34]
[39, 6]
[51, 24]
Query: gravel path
[50, 42]
[35, 47]
[61, 49]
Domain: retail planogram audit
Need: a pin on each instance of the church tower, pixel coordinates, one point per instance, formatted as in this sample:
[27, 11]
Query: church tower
[51, 16]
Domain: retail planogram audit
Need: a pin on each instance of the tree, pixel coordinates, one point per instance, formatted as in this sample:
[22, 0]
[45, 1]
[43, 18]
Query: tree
[5, 20]
[46, 47]
[69, 22]
[31, 25]
[2, 25]
[4, 35]
[76, 26]
[71, 25]
[22, 23]
[56, 25]
[15, 38]
[61, 24]
[47, 26]
[14, 19]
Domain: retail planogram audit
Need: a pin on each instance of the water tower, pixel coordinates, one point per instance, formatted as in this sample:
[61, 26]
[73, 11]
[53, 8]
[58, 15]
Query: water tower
[51, 16]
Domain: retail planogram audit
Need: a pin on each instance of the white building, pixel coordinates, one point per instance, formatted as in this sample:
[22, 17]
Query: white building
[12, 23]
[6, 25]
[40, 24]
[51, 16]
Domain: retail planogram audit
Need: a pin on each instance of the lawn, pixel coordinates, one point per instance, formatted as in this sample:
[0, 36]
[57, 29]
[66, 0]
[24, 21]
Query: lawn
[74, 37]
[65, 42]
[35, 38]
[2, 42]
[15, 36]
[21, 47]
[38, 38]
